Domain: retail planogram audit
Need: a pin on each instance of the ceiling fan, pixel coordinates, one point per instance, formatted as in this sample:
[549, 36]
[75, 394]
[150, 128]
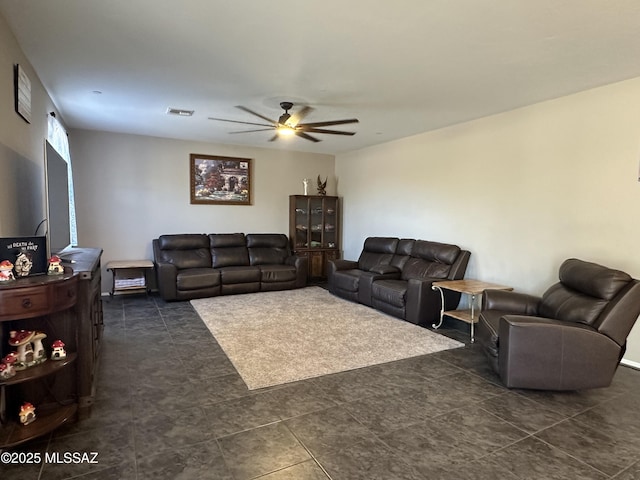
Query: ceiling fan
[289, 124]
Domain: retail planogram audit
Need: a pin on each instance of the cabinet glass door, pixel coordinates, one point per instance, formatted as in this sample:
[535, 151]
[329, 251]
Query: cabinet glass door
[330, 209]
[301, 223]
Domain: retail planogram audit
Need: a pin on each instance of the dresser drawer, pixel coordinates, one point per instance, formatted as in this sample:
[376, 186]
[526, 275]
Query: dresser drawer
[24, 303]
[65, 294]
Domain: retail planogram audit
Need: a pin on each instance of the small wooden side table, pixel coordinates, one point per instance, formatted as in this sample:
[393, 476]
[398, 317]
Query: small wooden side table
[466, 287]
[130, 276]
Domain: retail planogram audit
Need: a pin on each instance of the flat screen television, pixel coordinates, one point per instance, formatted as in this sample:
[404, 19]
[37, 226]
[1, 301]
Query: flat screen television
[58, 201]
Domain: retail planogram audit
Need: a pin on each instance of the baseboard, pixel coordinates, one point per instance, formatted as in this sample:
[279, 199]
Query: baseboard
[629, 363]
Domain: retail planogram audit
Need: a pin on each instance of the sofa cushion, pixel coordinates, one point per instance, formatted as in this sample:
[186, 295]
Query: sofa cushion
[592, 279]
[377, 250]
[583, 292]
[267, 248]
[390, 291]
[228, 249]
[403, 252]
[239, 274]
[277, 273]
[184, 241]
[430, 260]
[563, 303]
[185, 250]
[197, 278]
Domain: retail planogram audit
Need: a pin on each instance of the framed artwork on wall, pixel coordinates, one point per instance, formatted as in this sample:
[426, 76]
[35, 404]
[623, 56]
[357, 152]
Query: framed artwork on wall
[23, 93]
[219, 180]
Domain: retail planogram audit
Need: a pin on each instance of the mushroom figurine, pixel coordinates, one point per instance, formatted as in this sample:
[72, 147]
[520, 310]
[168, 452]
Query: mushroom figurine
[58, 352]
[22, 340]
[6, 271]
[39, 354]
[54, 266]
[7, 370]
[27, 413]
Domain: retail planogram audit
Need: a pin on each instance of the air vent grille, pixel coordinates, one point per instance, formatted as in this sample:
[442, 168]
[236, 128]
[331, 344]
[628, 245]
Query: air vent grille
[180, 112]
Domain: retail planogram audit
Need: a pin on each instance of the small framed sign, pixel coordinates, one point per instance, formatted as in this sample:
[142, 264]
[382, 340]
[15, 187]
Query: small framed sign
[28, 255]
[23, 93]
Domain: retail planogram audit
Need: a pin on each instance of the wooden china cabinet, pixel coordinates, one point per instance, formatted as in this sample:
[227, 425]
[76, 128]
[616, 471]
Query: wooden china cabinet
[314, 230]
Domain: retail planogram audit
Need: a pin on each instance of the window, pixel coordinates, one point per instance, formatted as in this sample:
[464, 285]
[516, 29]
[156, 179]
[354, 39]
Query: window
[57, 137]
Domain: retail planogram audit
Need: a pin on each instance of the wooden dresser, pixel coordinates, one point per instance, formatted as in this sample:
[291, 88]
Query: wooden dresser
[66, 307]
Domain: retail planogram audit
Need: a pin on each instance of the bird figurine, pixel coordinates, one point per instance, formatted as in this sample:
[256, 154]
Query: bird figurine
[322, 186]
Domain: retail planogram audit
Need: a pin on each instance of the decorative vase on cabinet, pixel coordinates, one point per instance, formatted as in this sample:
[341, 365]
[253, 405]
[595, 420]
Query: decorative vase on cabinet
[314, 231]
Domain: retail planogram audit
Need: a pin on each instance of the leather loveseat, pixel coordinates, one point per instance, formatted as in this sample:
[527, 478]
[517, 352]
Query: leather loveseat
[199, 265]
[395, 276]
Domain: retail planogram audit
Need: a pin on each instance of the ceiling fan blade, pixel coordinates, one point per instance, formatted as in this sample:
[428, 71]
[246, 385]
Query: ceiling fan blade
[332, 132]
[331, 122]
[237, 121]
[256, 130]
[296, 118]
[306, 137]
[245, 109]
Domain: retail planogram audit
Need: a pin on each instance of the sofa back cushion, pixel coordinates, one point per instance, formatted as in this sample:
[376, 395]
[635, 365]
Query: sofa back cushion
[403, 253]
[377, 251]
[583, 292]
[267, 248]
[189, 250]
[430, 260]
[228, 250]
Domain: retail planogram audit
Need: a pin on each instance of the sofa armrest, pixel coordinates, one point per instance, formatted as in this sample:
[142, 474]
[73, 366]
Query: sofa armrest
[166, 277]
[422, 303]
[301, 264]
[549, 354]
[340, 264]
[509, 301]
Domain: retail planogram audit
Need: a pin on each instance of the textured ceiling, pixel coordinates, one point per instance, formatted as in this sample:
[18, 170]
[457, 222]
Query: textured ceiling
[401, 67]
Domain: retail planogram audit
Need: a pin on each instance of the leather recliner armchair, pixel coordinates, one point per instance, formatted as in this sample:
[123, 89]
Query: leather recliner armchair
[571, 338]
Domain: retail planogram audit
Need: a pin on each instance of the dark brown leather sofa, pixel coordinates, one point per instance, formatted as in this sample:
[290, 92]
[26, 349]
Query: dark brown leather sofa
[571, 338]
[199, 265]
[395, 276]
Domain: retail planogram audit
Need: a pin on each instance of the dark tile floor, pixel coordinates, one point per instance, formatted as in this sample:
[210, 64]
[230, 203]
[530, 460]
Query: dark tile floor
[171, 406]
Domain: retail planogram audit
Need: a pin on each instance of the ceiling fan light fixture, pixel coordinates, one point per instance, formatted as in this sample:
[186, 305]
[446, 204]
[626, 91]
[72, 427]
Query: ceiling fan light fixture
[285, 130]
[289, 125]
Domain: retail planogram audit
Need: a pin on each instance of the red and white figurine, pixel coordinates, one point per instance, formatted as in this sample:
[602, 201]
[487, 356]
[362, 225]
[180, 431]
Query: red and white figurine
[27, 413]
[6, 271]
[58, 352]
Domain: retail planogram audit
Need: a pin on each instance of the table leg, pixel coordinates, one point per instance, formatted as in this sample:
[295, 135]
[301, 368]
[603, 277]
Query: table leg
[113, 281]
[439, 324]
[473, 302]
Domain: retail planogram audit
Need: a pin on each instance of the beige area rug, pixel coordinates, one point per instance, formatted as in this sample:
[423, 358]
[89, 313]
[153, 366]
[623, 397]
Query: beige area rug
[280, 337]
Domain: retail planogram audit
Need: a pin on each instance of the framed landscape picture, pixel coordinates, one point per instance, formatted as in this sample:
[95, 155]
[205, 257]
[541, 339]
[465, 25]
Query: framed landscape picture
[220, 180]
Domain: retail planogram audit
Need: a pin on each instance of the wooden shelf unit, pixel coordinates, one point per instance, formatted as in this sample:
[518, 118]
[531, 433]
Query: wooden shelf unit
[66, 307]
[314, 231]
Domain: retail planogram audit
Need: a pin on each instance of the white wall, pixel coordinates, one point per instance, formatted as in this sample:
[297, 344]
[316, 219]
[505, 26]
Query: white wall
[131, 189]
[22, 202]
[522, 190]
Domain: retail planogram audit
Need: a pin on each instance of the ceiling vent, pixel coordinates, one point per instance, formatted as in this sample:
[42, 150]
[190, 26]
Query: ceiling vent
[179, 111]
